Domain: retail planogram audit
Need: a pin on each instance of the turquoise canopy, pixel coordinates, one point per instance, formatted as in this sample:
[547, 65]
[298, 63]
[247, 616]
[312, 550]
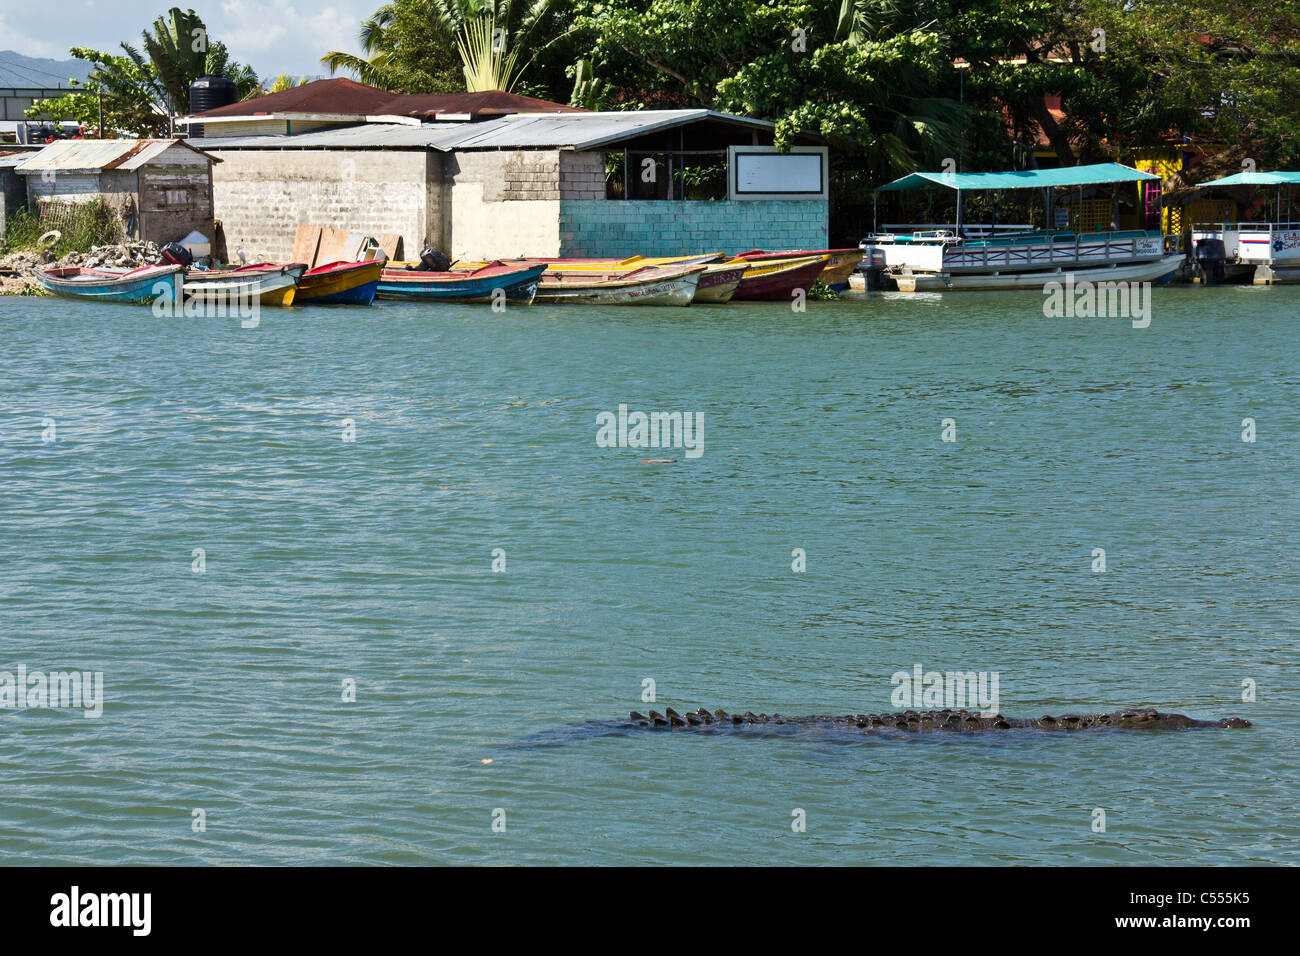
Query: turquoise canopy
[1022, 178]
[1278, 177]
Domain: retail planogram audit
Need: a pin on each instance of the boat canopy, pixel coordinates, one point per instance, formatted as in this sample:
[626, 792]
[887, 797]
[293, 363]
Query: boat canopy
[1022, 178]
[1280, 177]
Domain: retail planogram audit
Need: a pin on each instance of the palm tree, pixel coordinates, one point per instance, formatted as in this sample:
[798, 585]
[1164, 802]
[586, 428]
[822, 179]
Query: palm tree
[180, 51]
[438, 46]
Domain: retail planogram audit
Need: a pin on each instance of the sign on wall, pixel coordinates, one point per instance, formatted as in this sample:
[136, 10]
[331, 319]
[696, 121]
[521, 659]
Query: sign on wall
[760, 172]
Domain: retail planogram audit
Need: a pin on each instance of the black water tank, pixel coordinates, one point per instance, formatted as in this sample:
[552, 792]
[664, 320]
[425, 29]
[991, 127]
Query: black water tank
[207, 93]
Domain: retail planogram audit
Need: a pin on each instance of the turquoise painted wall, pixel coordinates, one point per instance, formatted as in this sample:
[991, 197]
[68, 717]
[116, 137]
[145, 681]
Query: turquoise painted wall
[613, 227]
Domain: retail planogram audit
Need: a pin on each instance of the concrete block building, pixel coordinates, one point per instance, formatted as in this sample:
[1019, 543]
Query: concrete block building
[487, 175]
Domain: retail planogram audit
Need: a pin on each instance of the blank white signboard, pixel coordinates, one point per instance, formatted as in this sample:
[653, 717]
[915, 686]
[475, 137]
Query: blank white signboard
[778, 173]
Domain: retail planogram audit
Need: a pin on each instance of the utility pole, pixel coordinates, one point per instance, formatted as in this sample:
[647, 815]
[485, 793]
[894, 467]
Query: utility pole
[101, 114]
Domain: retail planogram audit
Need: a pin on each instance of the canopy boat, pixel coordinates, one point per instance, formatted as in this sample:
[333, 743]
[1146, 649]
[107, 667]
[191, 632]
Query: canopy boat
[144, 285]
[517, 282]
[648, 285]
[777, 279]
[940, 260]
[340, 283]
[269, 284]
[835, 274]
[1267, 253]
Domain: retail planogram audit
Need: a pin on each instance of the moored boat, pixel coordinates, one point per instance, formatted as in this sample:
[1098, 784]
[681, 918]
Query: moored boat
[648, 285]
[1262, 252]
[340, 283]
[979, 257]
[719, 282]
[777, 279]
[517, 283]
[267, 283]
[1156, 270]
[836, 272]
[140, 286]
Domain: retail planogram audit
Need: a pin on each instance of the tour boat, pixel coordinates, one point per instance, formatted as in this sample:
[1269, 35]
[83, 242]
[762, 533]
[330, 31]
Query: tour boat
[1266, 253]
[943, 260]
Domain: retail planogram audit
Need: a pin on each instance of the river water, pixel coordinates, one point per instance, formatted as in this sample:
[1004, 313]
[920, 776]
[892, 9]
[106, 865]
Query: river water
[238, 525]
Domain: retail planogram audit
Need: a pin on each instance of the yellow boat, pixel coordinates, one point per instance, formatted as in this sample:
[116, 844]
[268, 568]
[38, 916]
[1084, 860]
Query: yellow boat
[554, 266]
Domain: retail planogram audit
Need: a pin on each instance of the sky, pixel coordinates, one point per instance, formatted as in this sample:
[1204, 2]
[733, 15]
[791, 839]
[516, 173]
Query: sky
[272, 36]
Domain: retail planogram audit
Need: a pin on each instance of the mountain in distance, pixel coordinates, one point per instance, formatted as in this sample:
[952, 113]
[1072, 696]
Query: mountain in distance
[30, 72]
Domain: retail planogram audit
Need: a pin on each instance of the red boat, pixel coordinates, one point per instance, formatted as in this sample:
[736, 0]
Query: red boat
[779, 283]
[835, 274]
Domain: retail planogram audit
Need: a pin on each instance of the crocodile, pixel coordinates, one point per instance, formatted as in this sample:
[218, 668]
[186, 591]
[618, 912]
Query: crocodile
[961, 721]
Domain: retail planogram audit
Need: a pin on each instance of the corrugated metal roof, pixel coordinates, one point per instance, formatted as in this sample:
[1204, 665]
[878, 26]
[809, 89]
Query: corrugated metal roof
[517, 131]
[369, 136]
[340, 96]
[93, 155]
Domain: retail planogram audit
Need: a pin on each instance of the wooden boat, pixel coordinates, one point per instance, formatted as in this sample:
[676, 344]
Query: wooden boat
[836, 272]
[144, 285]
[267, 283]
[519, 283]
[719, 282]
[340, 283]
[777, 279]
[598, 265]
[648, 285]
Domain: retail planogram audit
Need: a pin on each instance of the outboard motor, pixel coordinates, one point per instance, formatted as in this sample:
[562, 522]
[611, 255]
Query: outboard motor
[1210, 256]
[431, 260]
[177, 254]
[872, 267]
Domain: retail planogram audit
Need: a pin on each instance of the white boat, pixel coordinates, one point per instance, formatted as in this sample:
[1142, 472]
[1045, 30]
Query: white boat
[650, 285]
[1154, 270]
[954, 259]
[1266, 253]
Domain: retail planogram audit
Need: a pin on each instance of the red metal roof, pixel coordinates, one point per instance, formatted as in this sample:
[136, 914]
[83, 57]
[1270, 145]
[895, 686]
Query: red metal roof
[346, 97]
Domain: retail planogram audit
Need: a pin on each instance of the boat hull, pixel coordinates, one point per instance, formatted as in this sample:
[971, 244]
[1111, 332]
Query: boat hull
[268, 288]
[340, 283]
[835, 274]
[1156, 270]
[518, 285]
[779, 284]
[718, 284]
[136, 287]
[675, 289]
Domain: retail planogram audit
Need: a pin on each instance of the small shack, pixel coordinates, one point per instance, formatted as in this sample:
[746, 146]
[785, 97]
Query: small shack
[160, 188]
[13, 190]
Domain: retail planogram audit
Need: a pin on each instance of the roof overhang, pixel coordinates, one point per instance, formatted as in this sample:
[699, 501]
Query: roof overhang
[1278, 177]
[1095, 174]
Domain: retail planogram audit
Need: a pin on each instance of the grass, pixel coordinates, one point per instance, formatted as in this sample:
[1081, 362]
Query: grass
[85, 225]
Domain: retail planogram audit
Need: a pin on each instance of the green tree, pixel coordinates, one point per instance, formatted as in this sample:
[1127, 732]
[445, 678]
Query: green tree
[141, 90]
[181, 51]
[430, 46]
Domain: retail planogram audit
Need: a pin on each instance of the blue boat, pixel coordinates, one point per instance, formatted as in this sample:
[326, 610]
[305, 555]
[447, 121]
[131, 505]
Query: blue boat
[143, 286]
[518, 283]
